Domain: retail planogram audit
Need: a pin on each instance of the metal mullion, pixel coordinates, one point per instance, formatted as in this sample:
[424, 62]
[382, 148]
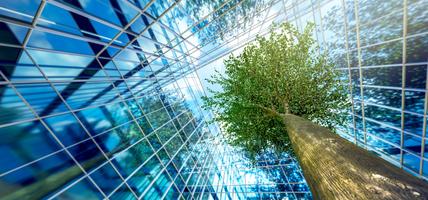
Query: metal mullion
[139, 167]
[142, 110]
[144, 30]
[384, 140]
[141, 130]
[160, 24]
[185, 38]
[207, 180]
[81, 38]
[393, 40]
[201, 183]
[85, 14]
[29, 163]
[109, 130]
[177, 134]
[122, 30]
[322, 27]
[80, 122]
[208, 54]
[134, 172]
[357, 25]
[196, 92]
[381, 123]
[10, 45]
[59, 192]
[199, 29]
[379, 43]
[200, 172]
[394, 88]
[266, 16]
[16, 22]
[32, 119]
[34, 22]
[163, 105]
[383, 87]
[95, 136]
[137, 142]
[194, 167]
[233, 49]
[424, 126]
[403, 81]
[203, 187]
[298, 15]
[185, 80]
[206, 16]
[191, 173]
[237, 25]
[424, 129]
[189, 157]
[221, 184]
[57, 32]
[253, 16]
[52, 134]
[187, 141]
[63, 81]
[199, 169]
[172, 108]
[243, 33]
[373, 21]
[164, 169]
[142, 11]
[153, 18]
[93, 170]
[288, 181]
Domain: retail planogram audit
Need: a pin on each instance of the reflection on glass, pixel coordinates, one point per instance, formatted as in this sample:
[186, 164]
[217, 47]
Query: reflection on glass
[128, 109]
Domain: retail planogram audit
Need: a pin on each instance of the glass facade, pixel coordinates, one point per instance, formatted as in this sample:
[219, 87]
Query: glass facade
[101, 100]
[381, 48]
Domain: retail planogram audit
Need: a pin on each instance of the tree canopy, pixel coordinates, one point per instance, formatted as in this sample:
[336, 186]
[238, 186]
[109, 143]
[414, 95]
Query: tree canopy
[283, 73]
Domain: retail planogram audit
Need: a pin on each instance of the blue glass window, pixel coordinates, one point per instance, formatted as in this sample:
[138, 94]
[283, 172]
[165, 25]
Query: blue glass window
[66, 128]
[40, 97]
[23, 143]
[12, 34]
[84, 189]
[12, 107]
[58, 168]
[106, 178]
[22, 10]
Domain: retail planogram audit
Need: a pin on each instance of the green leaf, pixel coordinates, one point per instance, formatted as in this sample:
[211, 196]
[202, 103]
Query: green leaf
[279, 74]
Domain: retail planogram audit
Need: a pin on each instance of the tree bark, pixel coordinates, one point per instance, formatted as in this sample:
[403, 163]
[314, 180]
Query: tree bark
[338, 169]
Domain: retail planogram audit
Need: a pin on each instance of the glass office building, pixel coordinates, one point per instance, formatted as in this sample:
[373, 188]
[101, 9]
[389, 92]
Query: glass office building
[101, 99]
[381, 48]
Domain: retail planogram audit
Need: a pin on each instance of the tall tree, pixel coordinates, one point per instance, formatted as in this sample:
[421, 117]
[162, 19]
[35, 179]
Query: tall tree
[282, 75]
[276, 75]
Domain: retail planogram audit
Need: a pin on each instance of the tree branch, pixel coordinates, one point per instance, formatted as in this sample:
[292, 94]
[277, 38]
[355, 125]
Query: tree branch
[269, 110]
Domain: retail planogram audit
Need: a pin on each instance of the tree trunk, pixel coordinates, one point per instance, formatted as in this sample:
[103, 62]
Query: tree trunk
[338, 169]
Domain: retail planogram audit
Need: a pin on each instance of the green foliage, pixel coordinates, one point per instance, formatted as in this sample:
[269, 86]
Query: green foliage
[276, 75]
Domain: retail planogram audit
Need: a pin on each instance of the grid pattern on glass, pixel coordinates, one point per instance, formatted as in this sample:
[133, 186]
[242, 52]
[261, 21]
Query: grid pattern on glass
[381, 52]
[100, 100]
[271, 177]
